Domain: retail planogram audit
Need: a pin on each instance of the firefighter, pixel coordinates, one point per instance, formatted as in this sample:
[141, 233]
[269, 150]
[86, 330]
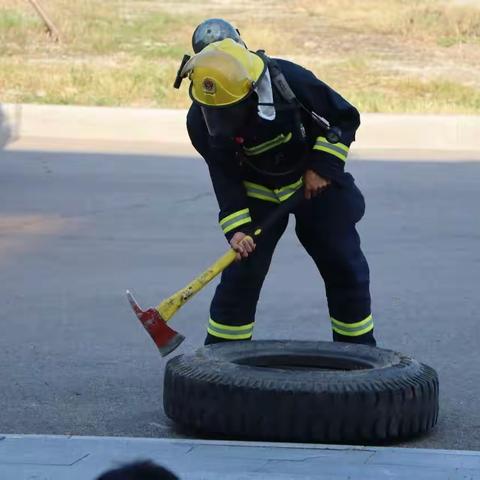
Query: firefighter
[260, 147]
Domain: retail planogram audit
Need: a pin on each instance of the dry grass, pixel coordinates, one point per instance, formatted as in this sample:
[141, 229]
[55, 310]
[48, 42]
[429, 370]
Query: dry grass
[384, 55]
[421, 20]
[87, 83]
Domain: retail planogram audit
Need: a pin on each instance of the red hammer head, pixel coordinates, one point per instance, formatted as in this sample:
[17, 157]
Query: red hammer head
[165, 338]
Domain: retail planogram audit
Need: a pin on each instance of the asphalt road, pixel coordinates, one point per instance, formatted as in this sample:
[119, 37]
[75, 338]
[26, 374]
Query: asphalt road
[76, 230]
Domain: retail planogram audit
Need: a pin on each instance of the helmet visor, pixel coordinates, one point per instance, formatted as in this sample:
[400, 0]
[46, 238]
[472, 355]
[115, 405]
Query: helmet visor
[229, 121]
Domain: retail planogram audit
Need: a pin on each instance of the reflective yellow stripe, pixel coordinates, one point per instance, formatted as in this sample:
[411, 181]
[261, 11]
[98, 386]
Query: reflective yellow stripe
[248, 326]
[286, 196]
[234, 225]
[338, 145]
[260, 196]
[352, 334]
[264, 147]
[339, 150]
[287, 191]
[256, 185]
[234, 215]
[332, 152]
[278, 195]
[235, 219]
[293, 186]
[227, 336]
[361, 323]
[259, 191]
[352, 329]
[229, 332]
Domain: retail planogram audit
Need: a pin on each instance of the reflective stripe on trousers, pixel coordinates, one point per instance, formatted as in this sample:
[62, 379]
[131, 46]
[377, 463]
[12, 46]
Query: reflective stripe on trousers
[352, 329]
[230, 332]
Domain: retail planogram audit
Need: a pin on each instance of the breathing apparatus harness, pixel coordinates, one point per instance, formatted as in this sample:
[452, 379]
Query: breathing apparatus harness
[332, 134]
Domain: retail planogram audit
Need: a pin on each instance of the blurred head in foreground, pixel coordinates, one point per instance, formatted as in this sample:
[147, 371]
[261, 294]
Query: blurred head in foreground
[144, 470]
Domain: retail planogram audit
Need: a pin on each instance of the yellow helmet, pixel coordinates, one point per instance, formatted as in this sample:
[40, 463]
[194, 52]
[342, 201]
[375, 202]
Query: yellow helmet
[223, 73]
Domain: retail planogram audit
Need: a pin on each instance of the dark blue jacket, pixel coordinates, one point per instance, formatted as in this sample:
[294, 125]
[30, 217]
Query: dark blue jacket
[271, 157]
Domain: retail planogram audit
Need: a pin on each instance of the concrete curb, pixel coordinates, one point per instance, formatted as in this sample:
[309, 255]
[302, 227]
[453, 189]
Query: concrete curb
[157, 126]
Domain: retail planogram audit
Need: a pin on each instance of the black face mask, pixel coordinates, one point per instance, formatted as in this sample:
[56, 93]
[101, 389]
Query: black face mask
[223, 143]
[228, 122]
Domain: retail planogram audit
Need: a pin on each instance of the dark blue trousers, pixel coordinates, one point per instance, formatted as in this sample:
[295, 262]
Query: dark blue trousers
[325, 226]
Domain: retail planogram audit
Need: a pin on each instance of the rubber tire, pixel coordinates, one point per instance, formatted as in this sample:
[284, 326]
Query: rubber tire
[218, 391]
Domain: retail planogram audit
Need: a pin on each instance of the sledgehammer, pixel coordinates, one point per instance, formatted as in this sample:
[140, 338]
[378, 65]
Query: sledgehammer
[155, 319]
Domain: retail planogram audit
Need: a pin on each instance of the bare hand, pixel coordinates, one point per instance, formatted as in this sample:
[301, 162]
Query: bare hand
[314, 184]
[242, 244]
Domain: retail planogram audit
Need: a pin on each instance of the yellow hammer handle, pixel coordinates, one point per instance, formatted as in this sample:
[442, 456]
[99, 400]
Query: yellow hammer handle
[169, 306]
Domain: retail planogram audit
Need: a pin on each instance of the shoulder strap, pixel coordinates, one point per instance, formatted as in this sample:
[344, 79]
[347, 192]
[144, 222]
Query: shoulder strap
[278, 79]
[333, 134]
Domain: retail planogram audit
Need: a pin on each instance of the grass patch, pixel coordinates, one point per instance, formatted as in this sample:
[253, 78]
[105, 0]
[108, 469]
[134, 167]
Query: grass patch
[413, 19]
[383, 55]
[15, 28]
[137, 84]
[13, 20]
[415, 96]
[440, 22]
[375, 90]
